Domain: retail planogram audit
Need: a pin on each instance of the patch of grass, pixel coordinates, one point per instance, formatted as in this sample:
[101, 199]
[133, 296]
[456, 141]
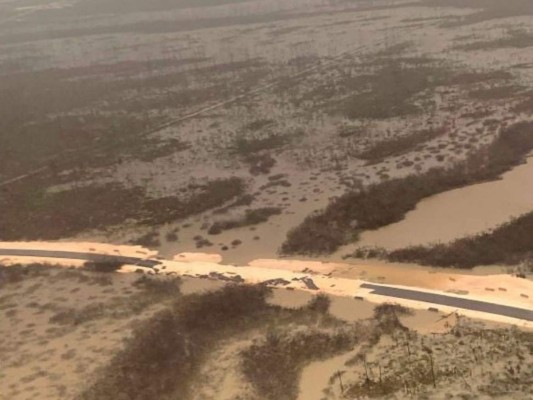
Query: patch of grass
[388, 202]
[511, 243]
[251, 217]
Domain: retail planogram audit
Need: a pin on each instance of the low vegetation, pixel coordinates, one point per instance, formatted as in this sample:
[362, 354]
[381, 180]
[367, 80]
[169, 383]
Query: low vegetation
[511, 243]
[387, 202]
[463, 362]
[245, 146]
[392, 89]
[165, 353]
[399, 145]
[161, 358]
[515, 38]
[103, 266]
[79, 209]
[17, 273]
[251, 217]
[273, 365]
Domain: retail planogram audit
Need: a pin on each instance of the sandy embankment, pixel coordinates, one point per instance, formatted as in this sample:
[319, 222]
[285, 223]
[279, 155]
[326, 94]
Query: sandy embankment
[330, 278]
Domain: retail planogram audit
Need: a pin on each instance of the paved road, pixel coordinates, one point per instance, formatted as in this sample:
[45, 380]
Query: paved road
[457, 302]
[80, 256]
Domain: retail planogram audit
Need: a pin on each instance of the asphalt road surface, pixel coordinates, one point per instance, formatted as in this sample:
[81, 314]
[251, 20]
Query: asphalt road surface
[80, 256]
[457, 302]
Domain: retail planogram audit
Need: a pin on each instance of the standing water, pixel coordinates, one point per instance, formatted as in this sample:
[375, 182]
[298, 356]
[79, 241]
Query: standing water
[461, 212]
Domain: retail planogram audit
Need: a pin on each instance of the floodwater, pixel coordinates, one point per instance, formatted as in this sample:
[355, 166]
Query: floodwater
[459, 213]
[316, 376]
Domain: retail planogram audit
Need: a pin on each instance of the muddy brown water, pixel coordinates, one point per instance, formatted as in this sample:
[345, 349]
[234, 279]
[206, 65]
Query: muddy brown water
[461, 212]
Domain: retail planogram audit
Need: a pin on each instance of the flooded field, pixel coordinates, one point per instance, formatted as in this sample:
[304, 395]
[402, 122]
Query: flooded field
[458, 213]
[249, 115]
[250, 157]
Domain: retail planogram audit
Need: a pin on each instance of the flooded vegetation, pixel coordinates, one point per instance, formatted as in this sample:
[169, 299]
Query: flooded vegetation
[386, 144]
[342, 98]
[234, 341]
[388, 202]
[510, 243]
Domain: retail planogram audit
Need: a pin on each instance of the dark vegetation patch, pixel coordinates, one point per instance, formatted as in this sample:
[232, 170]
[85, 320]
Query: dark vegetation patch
[476, 77]
[73, 316]
[393, 85]
[18, 273]
[260, 164]
[56, 142]
[257, 125]
[102, 266]
[388, 202]
[133, 6]
[496, 93]
[399, 145]
[251, 217]
[245, 146]
[526, 105]
[36, 214]
[276, 183]
[165, 353]
[159, 286]
[486, 10]
[511, 243]
[152, 290]
[54, 115]
[149, 239]
[348, 131]
[390, 91]
[274, 364]
[244, 200]
[515, 38]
